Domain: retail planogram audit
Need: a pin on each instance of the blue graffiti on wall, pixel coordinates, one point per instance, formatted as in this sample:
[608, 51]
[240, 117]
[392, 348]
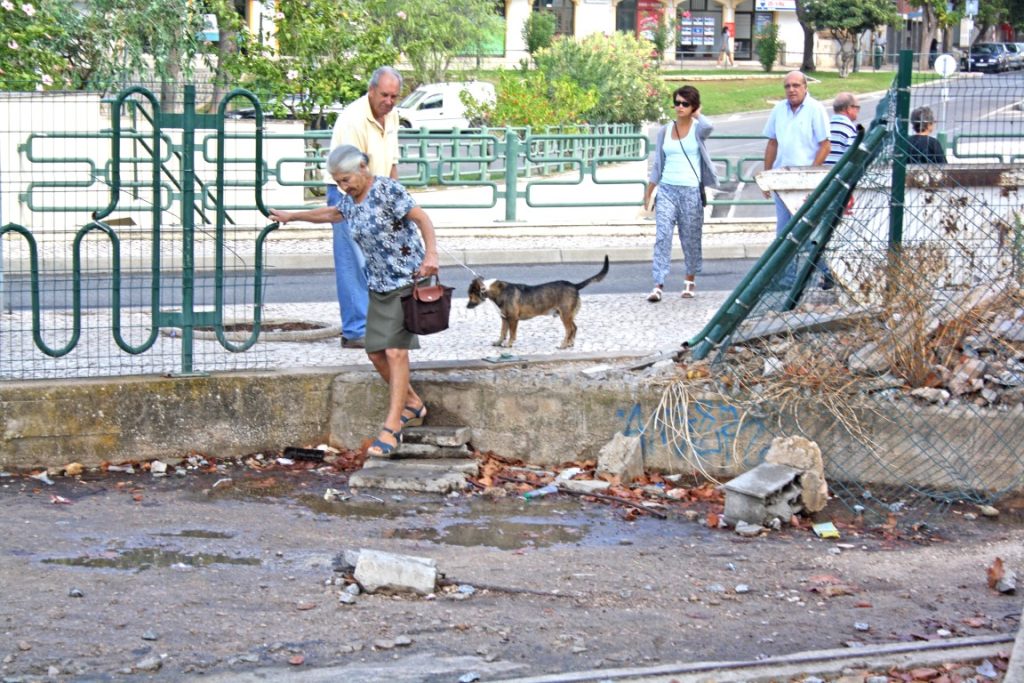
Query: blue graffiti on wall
[713, 428]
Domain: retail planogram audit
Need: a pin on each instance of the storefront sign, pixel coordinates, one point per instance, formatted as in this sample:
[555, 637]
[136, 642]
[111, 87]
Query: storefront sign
[775, 5]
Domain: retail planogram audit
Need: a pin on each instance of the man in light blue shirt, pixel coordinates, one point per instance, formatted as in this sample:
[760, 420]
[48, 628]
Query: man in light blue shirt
[797, 132]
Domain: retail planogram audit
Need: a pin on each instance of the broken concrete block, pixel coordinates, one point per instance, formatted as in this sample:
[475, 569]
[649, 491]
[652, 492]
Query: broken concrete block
[376, 571]
[803, 454]
[762, 494]
[930, 394]
[868, 360]
[621, 457]
[408, 478]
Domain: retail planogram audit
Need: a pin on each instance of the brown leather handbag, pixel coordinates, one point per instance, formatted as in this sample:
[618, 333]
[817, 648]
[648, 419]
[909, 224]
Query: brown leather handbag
[426, 308]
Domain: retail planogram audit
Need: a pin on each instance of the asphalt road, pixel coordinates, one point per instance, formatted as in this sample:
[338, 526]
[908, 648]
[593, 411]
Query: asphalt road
[311, 286]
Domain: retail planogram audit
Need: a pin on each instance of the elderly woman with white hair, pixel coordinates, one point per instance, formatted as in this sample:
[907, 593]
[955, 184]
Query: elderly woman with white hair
[397, 238]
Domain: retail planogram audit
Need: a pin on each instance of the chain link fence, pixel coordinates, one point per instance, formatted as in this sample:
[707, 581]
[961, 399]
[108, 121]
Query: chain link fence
[909, 371]
[116, 257]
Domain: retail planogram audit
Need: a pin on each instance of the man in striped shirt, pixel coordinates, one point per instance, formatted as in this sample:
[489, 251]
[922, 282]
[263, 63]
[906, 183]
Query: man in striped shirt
[841, 135]
[841, 129]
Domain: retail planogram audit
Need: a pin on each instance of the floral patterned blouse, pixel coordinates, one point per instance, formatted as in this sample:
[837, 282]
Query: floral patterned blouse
[390, 241]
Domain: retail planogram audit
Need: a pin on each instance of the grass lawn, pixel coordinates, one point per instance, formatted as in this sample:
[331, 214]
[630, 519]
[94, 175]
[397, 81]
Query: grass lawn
[729, 96]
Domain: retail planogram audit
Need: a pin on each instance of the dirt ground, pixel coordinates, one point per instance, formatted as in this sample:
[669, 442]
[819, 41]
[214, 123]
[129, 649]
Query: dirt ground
[229, 571]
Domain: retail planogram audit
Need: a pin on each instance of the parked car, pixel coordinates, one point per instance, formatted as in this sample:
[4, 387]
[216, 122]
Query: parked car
[989, 57]
[439, 107]
[1015, 54]
[290, 104]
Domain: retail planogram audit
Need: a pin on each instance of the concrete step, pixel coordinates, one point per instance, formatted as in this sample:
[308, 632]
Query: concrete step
[403, 477]
[449, 437]
[437, 464]
[419, 451]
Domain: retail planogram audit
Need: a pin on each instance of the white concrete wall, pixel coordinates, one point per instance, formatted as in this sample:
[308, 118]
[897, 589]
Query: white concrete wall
[594, 16]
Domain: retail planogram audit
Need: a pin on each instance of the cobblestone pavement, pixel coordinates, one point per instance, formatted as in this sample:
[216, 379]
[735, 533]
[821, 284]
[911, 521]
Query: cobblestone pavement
[611, 325]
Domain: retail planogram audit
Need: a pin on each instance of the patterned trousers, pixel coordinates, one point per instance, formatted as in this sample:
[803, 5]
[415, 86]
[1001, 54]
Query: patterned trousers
[677, 207]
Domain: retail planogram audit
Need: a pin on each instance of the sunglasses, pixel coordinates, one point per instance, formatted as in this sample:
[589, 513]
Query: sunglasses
[682, 103]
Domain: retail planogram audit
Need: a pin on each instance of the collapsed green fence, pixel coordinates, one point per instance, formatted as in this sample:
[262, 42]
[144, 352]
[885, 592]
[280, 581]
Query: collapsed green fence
[909, 373]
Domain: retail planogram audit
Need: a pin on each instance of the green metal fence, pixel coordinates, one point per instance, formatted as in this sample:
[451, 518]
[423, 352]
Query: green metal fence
[909, 372]
[116, 255]
[132, 238]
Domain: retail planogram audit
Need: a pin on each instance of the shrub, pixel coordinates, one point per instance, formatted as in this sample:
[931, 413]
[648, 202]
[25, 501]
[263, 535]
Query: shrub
[527, 98]
[539, 31]
[768, 46]
[617, 67]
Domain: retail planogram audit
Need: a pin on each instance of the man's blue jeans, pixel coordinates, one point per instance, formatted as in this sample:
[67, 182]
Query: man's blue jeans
[782, 218]
[349, 276]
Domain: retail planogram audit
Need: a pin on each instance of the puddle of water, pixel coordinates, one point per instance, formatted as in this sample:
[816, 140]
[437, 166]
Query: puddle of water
[356, 507]
[198, 533]
[495, 533]
[141, 559]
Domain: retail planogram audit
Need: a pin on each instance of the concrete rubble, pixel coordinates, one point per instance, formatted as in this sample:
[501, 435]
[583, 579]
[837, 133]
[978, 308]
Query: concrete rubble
[803, 454]
[760, 495]
[621, 458]
[379, 571]
[429, 460]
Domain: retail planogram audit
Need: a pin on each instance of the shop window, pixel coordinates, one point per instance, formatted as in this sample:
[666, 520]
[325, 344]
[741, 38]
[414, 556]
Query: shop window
[563, 11]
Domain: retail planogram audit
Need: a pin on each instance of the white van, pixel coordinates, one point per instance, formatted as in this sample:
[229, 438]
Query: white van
[437, 106]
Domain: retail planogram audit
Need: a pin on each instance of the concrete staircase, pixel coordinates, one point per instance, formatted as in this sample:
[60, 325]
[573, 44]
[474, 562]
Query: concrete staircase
[429, 459]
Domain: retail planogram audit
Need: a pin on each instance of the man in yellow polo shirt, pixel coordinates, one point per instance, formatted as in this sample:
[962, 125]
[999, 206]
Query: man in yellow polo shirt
[370, 124]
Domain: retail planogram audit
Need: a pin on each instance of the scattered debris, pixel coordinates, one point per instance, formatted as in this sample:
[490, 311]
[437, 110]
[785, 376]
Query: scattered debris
[542, 491]
[826, 530]
[295, 453]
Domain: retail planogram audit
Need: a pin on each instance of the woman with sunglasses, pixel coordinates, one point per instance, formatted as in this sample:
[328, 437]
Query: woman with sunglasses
[680, 171]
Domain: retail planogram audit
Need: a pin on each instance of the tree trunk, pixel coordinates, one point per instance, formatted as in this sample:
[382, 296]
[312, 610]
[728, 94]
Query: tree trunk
[807, 61]
[930, 22]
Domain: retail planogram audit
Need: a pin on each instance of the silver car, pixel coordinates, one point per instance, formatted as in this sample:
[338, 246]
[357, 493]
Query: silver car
[1015, 55]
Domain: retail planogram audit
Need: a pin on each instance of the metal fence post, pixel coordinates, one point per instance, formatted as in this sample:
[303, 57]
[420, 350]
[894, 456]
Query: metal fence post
[511, 173]
[188, 246]
[899, 162]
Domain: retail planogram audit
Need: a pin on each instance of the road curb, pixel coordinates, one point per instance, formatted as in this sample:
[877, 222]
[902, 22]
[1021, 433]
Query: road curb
[488, 257]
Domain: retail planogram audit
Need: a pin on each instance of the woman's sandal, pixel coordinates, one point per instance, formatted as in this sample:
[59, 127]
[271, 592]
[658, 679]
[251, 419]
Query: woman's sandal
[689, 289]
[418, 415]
[655, 295]
[381, 448]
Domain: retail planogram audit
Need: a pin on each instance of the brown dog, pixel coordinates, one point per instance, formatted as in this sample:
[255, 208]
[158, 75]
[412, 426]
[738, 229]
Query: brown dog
[520, 302]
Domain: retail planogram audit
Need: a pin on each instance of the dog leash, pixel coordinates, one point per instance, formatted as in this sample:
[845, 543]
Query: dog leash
[459, 261]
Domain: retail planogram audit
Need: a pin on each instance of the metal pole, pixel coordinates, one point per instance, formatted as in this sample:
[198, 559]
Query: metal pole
[899, 162]
[2, 295]
[511, 173]
[188, 181]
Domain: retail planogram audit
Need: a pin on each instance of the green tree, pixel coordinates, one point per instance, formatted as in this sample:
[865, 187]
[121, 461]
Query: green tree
[32, 39]
[847, 21]
[115, 42]
[539, 31]
[432, 33]
[663, 36]
[768, 46]
[617, 67]
[327, 50]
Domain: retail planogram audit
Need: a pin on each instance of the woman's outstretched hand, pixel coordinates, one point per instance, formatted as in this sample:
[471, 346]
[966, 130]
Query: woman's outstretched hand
[280, 216]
